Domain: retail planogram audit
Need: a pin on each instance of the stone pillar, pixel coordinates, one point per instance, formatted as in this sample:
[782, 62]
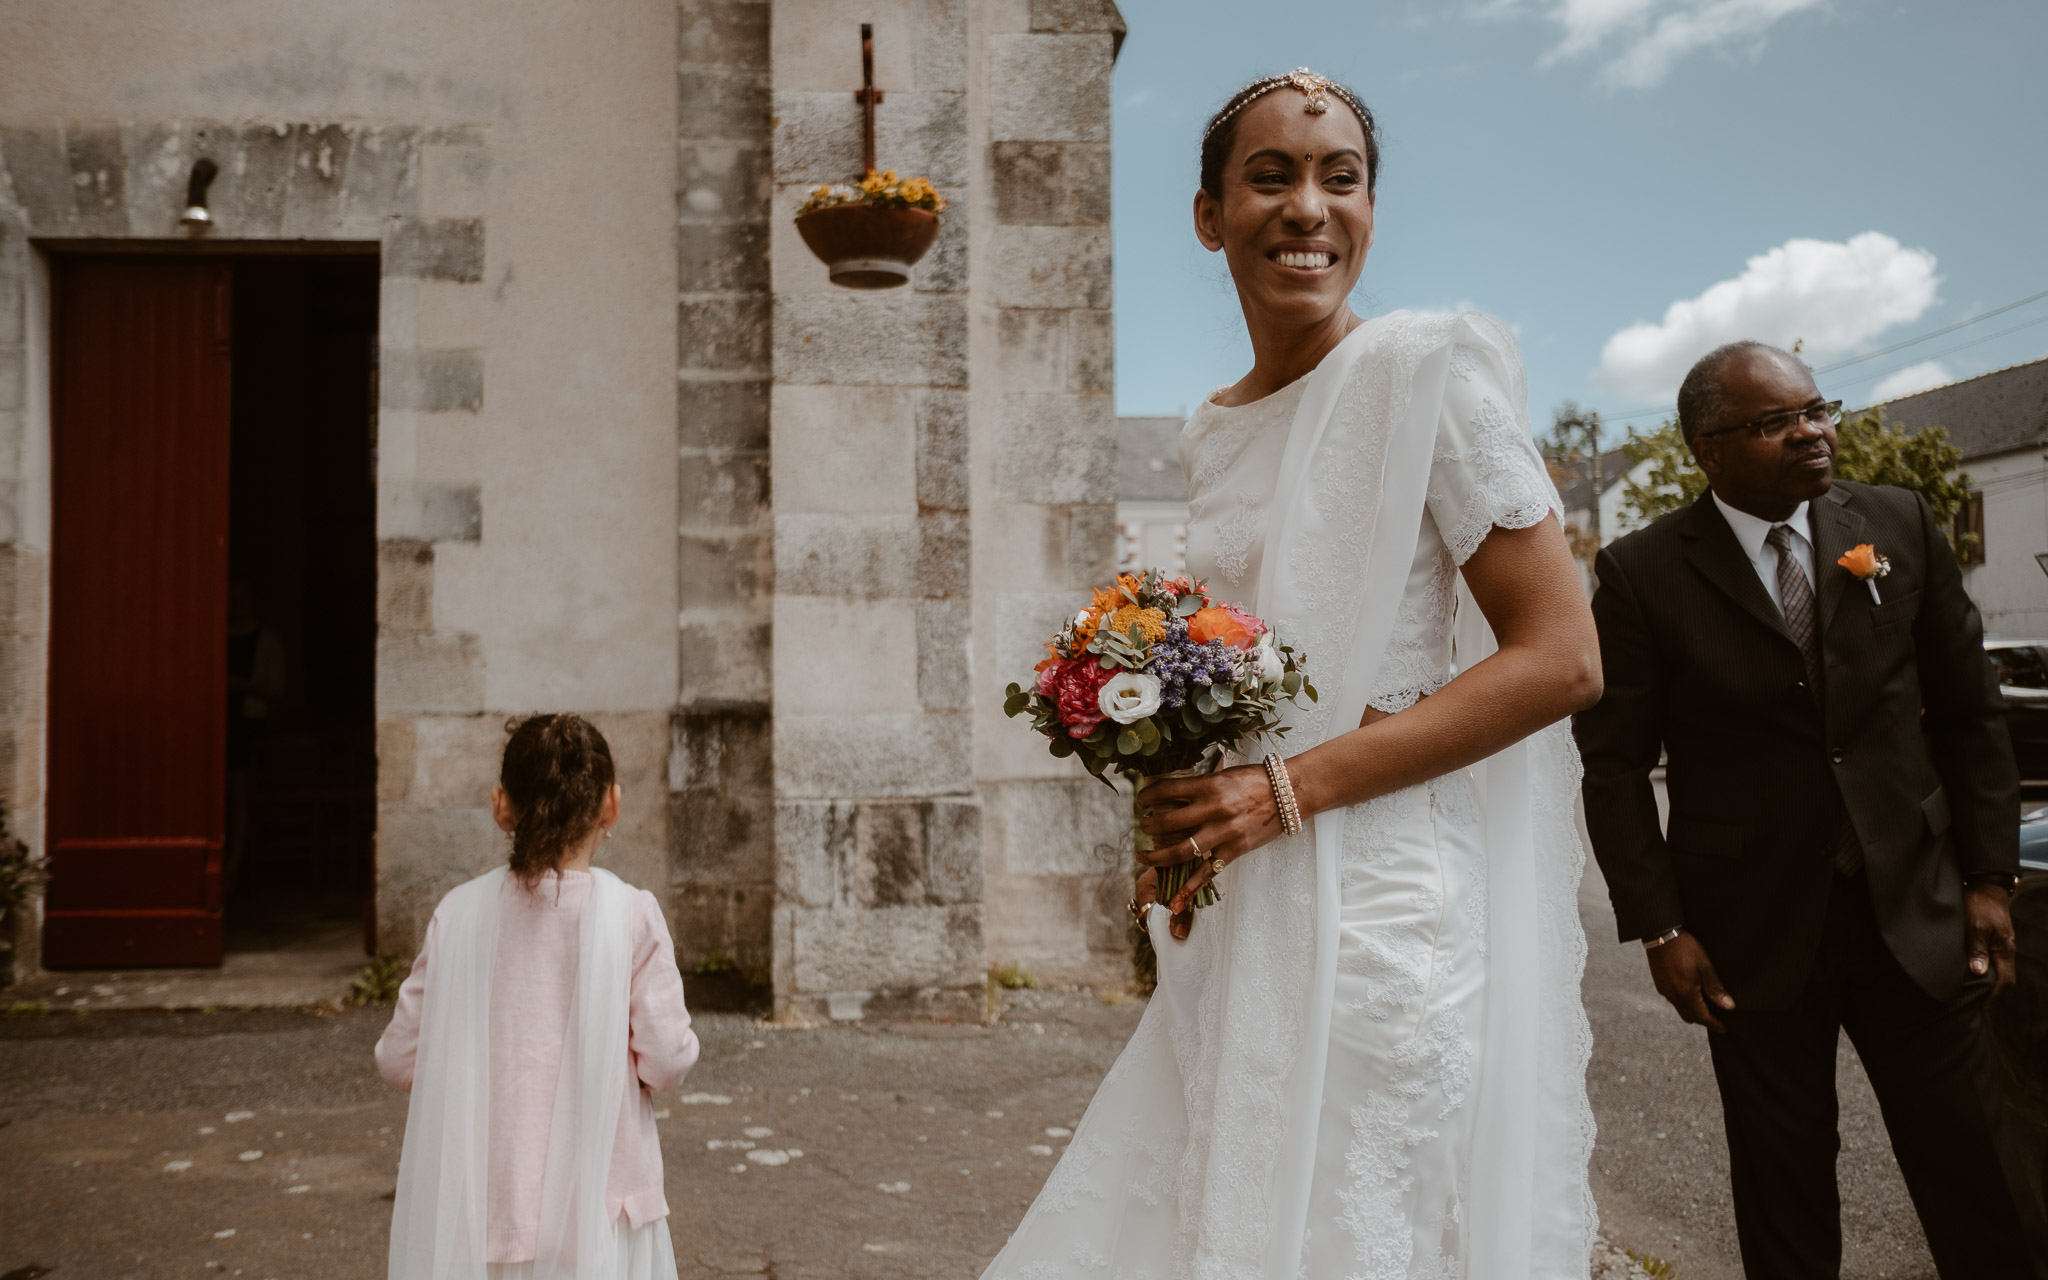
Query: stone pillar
[720, 796]
[1045, 474]
[877, 828]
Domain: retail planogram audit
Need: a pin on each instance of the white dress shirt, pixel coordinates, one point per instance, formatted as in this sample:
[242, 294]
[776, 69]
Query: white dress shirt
[1751, 532]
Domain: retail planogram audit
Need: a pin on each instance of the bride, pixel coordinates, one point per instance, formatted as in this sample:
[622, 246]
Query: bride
[1369, 1059]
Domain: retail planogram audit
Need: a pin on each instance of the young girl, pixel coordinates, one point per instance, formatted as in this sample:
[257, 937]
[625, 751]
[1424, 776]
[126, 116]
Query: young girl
[544, 1006]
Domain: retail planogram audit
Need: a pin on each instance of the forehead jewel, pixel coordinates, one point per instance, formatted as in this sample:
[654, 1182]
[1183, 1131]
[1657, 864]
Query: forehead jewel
[1315, 90]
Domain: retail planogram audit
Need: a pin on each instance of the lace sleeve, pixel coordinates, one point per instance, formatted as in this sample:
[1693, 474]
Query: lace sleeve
[1486, 472]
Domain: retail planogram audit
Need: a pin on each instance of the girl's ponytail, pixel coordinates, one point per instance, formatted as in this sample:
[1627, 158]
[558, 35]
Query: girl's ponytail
[556, 773]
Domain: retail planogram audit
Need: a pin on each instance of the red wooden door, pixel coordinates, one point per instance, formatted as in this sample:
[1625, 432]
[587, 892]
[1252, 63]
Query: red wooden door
[138, 630]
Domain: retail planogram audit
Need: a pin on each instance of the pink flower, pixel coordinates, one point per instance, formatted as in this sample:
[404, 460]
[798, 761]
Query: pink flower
[1079, 684]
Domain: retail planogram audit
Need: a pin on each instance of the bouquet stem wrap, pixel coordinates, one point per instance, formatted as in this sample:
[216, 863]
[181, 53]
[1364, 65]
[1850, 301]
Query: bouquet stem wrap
[1174, 878]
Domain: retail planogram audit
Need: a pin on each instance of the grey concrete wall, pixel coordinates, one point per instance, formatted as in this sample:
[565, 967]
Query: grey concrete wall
[877, 826]
[1045, 473]
[517, 166]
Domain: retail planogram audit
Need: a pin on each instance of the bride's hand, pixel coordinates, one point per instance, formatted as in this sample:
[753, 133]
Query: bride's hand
[1217, 816]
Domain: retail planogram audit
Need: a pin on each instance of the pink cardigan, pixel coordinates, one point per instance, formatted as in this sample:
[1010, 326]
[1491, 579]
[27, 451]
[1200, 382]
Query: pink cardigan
[530, 990]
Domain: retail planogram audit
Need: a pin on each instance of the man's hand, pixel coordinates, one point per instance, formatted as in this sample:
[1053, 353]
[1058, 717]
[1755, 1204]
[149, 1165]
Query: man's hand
[1685, 977]
[1987, 934]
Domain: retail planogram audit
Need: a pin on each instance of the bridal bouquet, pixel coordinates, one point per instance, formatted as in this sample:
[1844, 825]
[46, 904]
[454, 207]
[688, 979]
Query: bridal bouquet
[1154, 677]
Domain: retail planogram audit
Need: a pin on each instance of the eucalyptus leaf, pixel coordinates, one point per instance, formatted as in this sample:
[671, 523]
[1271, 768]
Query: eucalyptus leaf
[1062, 747]
[1127, 742]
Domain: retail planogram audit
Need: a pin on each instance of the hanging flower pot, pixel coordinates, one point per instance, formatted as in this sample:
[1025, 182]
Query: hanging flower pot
[870, 235]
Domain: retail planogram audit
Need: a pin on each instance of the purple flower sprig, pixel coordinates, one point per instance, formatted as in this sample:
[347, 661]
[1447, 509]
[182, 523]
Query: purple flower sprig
[1182, 666]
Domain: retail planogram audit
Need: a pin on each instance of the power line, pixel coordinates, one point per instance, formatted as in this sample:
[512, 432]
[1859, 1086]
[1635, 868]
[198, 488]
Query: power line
[1932, 333]
[1974, 342]
[1666, 411]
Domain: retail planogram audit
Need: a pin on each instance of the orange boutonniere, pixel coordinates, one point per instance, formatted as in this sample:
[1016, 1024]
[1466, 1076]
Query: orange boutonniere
[1863, 561]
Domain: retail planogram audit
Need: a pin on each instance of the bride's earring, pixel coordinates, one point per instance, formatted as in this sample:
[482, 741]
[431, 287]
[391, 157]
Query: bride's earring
[607, 833]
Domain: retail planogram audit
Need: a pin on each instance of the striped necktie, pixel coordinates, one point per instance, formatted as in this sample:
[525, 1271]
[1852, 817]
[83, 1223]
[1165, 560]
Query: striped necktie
[1795, 601]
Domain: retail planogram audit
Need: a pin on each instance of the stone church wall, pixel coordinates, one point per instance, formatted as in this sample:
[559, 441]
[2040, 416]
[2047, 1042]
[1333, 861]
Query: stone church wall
[638, 457]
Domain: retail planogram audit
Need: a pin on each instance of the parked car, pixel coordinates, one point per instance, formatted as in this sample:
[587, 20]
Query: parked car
[2022, 667]
[2019, 1017]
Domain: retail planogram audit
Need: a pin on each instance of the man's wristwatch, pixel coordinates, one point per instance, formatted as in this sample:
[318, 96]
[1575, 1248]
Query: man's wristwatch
[2006, 880]
[1651, 944]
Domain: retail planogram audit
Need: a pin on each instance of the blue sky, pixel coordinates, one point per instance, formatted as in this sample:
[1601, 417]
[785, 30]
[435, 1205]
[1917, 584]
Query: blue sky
[1851, 172]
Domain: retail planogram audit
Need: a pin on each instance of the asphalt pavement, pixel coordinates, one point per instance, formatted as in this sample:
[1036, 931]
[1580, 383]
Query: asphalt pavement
[263, 1144]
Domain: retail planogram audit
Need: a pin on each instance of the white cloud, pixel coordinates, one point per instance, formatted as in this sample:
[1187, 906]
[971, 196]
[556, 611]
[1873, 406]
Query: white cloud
[1643, 39]
[1912, 379]
[1835, 296]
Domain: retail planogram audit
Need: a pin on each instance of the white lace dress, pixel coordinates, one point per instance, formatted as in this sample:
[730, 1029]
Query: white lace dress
[1354, 1070]
[1387, 1200]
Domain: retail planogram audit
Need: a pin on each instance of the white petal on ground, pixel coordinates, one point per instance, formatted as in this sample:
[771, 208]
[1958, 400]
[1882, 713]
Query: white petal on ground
[177, 1166]
[758, 1132]
[222, 1235]
[1057, 1132]
[302, 1188]
[704, 1099]
[1039, 1149]
[892, 1188]
[768, 1156]
[208, 1129]
[795, 1154]
[236, 1117]
[661, 1114]
[995, 1115]
[728, 1144]
[250, 1155]
[738, 1168]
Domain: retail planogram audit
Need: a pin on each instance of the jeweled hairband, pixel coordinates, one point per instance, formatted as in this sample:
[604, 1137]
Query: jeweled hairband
[1316, 88]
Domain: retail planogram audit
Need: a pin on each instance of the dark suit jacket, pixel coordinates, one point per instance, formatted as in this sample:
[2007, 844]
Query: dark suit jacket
[1907, 736]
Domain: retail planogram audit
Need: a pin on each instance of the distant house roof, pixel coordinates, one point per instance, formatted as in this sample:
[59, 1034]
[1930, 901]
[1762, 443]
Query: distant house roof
[1993, 413]
[1575, 478]
[1148, 460]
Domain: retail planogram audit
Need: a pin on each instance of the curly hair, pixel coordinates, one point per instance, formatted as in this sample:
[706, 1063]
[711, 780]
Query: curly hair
[556, 773]
[1221, 132]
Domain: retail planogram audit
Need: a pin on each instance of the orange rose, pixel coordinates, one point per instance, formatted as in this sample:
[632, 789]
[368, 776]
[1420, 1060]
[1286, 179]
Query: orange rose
[1218, 622]
[1863, 561]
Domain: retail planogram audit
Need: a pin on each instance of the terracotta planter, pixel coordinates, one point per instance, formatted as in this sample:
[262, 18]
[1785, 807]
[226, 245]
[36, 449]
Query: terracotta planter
[868, 246]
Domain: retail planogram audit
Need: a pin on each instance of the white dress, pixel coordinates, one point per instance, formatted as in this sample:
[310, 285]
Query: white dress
[1388, 1190]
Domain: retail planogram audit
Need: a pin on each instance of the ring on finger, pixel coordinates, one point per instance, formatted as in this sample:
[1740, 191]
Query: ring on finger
[1216, 864]
[1137, 910]
[1196, 847]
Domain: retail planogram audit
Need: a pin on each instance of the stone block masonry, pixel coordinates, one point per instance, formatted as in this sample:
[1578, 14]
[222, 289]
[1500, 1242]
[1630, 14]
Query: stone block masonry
[1055, 870]
[877, 819]
[720, 794]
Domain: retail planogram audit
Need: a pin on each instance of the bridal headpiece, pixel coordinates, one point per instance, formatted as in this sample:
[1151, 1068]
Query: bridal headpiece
[1316, 89]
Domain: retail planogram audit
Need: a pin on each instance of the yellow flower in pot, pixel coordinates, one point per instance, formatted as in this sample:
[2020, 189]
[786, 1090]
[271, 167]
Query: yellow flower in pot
[871, 233]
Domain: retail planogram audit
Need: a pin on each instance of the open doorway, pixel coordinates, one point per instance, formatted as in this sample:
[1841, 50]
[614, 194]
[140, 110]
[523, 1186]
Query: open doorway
[301, 628]
[213, 587]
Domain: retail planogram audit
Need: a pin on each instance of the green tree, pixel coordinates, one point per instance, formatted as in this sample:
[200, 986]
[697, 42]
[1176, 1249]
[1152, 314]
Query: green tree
[1867, 450]
[1673, 481]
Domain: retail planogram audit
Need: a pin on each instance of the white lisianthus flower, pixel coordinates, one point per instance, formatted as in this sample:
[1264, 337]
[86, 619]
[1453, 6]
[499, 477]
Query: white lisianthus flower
[1266, 662]
[1130, 696]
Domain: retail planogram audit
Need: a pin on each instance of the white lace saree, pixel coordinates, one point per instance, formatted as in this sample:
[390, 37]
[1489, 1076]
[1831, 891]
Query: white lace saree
[1369, 1059]
[439, 1212]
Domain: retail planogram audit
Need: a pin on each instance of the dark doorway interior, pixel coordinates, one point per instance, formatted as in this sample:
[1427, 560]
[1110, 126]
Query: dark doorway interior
[301, 802]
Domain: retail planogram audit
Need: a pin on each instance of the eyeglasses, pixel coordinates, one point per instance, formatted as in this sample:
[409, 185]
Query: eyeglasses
[1774, 426]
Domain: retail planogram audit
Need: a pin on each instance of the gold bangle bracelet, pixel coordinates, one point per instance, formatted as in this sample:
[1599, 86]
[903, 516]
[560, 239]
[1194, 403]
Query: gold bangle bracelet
[1283, 795]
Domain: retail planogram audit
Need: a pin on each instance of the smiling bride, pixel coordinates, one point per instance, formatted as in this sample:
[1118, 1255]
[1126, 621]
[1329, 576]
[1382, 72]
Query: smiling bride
[1369, 1059]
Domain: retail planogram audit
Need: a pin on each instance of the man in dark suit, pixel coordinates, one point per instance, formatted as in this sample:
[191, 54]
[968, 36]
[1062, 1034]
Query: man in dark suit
[1844, 807]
